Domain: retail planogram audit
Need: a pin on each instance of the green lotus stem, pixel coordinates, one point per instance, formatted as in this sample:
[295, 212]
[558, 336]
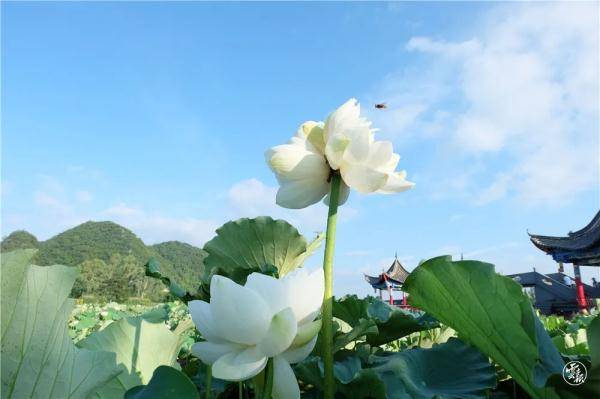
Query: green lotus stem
[208, 381]
[258, 381]
[268, 380]
[240, 390]
[327, 327]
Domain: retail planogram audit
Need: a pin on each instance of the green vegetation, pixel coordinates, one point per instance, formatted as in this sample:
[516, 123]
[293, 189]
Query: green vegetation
[188, 259]
[382, 352]
[124, 337]
[19, 239]
[476, 335]
[266, 243]
[120, 279]
[111, 259]
[90, 240]
[490, 312]
[35, 302]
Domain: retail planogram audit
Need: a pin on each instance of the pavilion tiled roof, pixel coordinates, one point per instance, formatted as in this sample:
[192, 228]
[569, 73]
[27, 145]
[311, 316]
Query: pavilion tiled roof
[396, 275]
[397, 272]
[581, 247]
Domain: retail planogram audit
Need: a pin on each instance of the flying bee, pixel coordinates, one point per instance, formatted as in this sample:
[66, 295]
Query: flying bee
[381, 106]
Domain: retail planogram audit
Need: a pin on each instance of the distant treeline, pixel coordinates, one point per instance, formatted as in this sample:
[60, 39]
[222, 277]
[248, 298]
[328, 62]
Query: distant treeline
[111, 259]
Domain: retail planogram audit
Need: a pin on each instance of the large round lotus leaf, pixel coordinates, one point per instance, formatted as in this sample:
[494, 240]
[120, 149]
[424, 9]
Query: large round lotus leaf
[246, 245]
[140, 345]
[391, 322]
[39, 359]
[491, 312]
[449, 370]
[166, 382]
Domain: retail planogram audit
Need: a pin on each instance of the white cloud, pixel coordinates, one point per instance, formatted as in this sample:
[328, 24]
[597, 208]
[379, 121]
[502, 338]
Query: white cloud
[84, 196]
[252, 197]
[495, 191]
[123, 210]
[398, 117]
[495, 249]
[154, 227]
[427, 45]
[52, 204]
[523, 90]
[59, 208]
[475, 134]
[54, 209]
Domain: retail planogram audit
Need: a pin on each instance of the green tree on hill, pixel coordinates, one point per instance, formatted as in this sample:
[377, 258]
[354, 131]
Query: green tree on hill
[188, 262]
[112, 259]
[19, 239]
[119, 279]
[91, 240]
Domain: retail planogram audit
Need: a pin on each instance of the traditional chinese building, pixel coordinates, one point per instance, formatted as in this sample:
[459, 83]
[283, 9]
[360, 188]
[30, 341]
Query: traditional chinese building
[581, 248]
[390, 281]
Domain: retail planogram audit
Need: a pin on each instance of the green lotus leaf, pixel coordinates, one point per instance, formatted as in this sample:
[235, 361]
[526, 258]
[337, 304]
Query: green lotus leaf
[351, 309]
[591, 387]
[351, 379]
[449, 370]
[246, 245]
[39, 359]
[366, 383]
[345, 336]
[166, 382]
[490, 312]
[390, 322]
[572, 343]
[593, 339]
[140, 345]
[394, 323]
[152, 269]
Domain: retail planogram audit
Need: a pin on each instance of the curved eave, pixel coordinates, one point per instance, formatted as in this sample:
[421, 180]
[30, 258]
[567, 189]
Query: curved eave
[379, 283]
[591, 226]
[585, 239]
[535, 239]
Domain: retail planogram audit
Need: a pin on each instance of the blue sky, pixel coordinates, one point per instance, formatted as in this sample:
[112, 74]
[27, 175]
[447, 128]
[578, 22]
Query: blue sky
[157, 115]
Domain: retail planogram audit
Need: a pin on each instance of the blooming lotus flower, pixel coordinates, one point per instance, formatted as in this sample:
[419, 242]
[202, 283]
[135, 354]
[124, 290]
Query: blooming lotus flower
[344, 143]
[268, 317]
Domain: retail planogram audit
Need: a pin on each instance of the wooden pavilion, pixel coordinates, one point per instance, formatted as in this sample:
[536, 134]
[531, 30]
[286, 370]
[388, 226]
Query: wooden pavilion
[390, 280]
[581, 248]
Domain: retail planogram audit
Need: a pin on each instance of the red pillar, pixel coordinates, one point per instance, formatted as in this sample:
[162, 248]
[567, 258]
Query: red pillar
[580, 291]
[389, 287]
[403, 298]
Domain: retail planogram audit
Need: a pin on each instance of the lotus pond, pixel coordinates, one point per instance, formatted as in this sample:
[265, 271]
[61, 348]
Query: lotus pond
[260, 325]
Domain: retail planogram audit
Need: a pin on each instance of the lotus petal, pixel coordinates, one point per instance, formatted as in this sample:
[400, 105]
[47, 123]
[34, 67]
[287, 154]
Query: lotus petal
[244, 317]
[285, 384]
[281, 333]
[296, 355]
[202, 318]
[210, 352]
[362, 178]
[396, 183]
[238, 366]
[306, 292]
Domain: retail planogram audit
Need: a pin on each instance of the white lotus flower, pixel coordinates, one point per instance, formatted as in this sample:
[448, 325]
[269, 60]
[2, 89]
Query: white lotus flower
[268, 317]
[344, 143]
